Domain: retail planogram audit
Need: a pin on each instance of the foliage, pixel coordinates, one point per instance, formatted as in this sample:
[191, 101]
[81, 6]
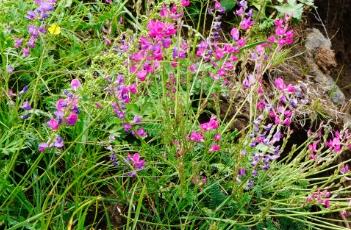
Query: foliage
[110, 120]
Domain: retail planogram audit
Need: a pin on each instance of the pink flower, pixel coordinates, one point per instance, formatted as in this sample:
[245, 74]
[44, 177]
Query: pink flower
[217, 137]
[185, 3]
[142, 75]
[279, 84]
[72, 119]
[133, 88]
[53, 124]
[235, 34]
[335, 143]
[211, 125]
[25, 51]
[141, 133]
[75, 84]
[261, 105]
[196, 137]
[344, 169]
[136, 161]
[158, 29]
[214, 148]
[127, 127]
[246, 23]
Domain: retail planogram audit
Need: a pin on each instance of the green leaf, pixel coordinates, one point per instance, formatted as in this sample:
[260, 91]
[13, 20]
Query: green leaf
[291, 8]
[68, 3]
[307, 2]
[228, 4]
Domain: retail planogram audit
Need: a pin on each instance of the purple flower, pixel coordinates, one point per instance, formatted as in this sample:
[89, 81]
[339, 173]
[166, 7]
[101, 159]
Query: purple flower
[127, 127]
[9, 69]
[18, 42]
[113, 158]
[61, 104]
[249, 81]
[246, 23]
[31, 42]
[344, 169]
[25, 51]
[58, 143]
[279, 84]
[242, 172]
[31, 15]
[276, 137]
[33, 31]
[185, 3]
[53, 124]
[25, 116]
[26, 106]
[137, 119]
[217, 137]
[235, 34]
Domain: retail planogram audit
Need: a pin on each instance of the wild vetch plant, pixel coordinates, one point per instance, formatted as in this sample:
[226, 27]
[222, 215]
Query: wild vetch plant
[145, 135]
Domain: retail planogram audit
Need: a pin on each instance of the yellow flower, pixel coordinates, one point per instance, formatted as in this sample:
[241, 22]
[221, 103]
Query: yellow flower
[54, 29]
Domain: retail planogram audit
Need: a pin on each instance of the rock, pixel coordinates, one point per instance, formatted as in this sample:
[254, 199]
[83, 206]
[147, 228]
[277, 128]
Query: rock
[321, 58]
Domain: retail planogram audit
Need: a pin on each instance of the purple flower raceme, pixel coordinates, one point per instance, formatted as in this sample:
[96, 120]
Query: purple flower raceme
[66, 113]
[269, 128]
[36, 16]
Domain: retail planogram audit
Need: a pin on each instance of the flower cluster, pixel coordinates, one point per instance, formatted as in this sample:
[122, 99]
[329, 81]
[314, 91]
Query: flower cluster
[268, 127]
[37, 16]
[66, 113]
[147, 59]
[283, 35]
[246, 16]
[335, 143]
[198, 136]
[122, 93]
[320, 197]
